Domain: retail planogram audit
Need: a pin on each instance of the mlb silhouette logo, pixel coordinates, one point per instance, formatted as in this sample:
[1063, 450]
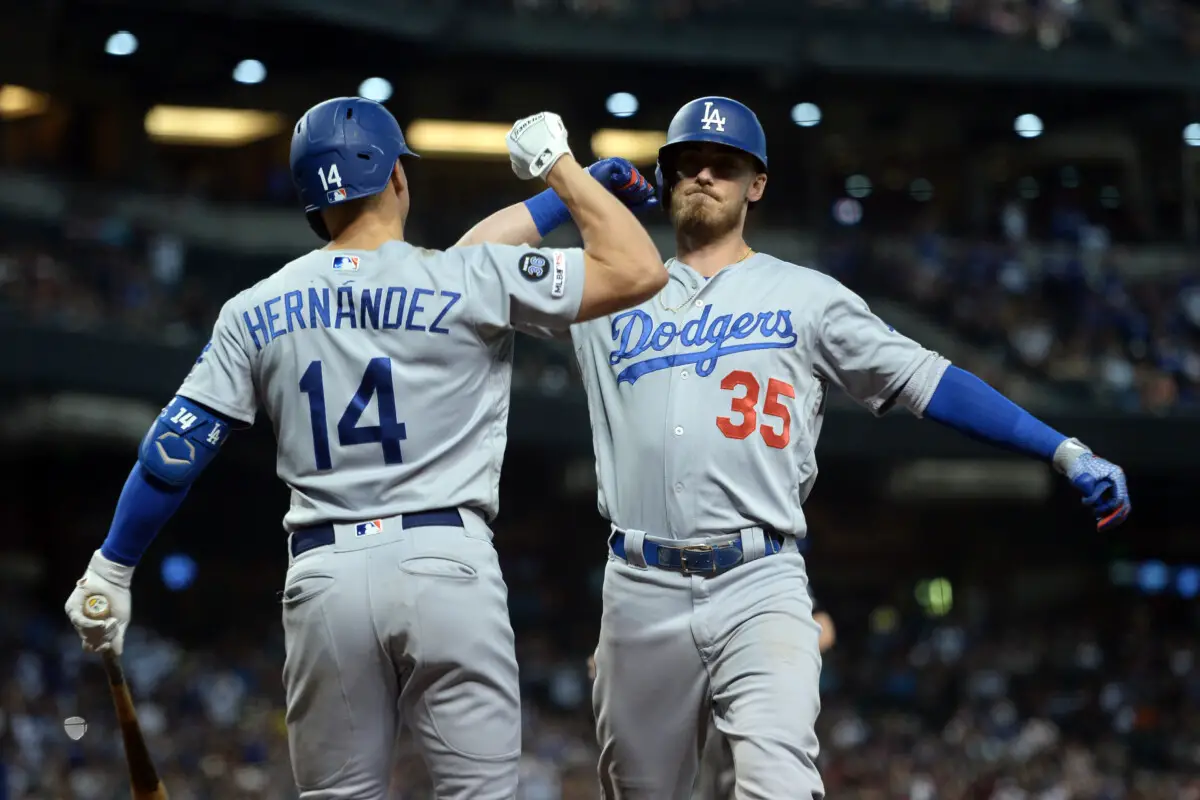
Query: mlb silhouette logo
[345, 263]
[335, 196]
[369, 528]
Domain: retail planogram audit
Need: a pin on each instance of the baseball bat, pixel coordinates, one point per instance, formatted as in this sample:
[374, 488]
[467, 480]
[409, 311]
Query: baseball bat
[143, 777]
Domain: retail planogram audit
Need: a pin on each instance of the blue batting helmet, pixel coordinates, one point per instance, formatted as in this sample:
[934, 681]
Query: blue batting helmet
[720, 120]
[343, 149]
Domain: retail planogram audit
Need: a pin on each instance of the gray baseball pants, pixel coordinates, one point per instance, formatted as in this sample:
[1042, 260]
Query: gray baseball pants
[674, 649]
[401, 627]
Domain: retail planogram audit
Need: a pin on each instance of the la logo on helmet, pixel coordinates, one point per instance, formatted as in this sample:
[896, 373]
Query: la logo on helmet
[712, 116]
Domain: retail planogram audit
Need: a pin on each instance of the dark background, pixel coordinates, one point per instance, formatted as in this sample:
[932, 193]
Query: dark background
[990, 643]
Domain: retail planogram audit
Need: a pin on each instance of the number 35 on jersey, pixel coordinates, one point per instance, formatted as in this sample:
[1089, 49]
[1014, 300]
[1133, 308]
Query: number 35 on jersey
[744, 410]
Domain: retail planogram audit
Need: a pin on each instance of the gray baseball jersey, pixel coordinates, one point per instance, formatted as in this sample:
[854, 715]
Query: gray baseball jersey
[706, 402]
[385, 373]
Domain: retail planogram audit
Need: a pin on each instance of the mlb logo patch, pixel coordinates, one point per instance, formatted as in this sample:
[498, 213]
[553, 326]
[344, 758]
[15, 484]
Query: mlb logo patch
[369, 528]
[345, 263]
[335, 196]
[559, 286]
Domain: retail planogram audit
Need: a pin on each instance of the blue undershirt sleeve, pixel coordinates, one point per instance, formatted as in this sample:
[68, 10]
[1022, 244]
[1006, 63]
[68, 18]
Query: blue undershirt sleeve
[144, 507]
[968, 405]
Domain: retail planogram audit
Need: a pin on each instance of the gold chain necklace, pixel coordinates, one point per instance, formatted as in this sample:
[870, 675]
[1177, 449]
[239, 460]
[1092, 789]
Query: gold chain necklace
[675, 309]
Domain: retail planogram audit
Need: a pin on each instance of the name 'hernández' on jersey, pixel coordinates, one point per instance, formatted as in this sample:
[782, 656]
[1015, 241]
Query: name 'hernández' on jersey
[707, 401]
[350, 307]
[385, 373]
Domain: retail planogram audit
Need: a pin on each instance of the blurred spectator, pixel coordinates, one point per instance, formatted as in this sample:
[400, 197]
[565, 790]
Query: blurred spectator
[1061, 311]
[1101, 706]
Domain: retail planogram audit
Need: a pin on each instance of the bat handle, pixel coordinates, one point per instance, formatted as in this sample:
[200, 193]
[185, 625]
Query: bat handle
[112, 667]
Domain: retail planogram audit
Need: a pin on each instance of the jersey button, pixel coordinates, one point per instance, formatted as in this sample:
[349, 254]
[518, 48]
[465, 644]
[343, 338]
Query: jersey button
[678, 430]
[699, 304]
[683, 374]
[678, 488]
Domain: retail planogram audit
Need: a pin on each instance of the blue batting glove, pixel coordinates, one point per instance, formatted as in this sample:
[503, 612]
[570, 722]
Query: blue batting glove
[1101, 482]
[626, 182]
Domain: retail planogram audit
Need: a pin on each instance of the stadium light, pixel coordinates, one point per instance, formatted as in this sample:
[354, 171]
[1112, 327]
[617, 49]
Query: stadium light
[454, 138]
[215, 127]
[621, 104]
[1028, 126]
[250, 70]
[1187, 582]
[847, 212]
[121, 43]
[1191, 134]
[806, 115]
[921, 190]
[858, 186]
[1152, 576]
[377, 89]
[17, 102]
[178, 571]
[640, 147]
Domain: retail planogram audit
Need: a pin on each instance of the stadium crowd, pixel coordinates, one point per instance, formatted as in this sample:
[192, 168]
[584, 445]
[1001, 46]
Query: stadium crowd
[1048, 23]
[1060, 310]
[1063, 309]
[1103, 706]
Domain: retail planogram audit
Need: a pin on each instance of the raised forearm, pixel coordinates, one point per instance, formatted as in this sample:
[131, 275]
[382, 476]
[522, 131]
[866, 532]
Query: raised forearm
[513, 225]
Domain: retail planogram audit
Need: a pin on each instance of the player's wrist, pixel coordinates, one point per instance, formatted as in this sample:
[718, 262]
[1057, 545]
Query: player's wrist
[562, 166]
[1067, 453]
[548, 211]
[112, 571]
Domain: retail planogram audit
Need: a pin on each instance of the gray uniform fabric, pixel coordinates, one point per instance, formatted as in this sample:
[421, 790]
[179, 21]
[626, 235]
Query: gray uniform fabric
[717, 775]
[706, 405]
[386, 376]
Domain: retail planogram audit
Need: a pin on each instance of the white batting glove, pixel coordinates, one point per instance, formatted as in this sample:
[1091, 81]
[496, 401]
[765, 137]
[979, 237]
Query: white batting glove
[536, 143]
[101, 605]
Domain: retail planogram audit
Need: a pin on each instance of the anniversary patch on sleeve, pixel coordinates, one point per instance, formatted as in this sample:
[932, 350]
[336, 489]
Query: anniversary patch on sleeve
[534, 266]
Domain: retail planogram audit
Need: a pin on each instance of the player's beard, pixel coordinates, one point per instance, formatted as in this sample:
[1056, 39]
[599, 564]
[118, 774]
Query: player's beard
[703, 219]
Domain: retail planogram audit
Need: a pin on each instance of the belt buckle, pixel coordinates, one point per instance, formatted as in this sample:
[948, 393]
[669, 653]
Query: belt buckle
[686, 569]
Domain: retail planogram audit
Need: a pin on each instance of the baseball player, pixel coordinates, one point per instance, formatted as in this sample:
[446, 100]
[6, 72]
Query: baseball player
[385, 370]
[706, 404]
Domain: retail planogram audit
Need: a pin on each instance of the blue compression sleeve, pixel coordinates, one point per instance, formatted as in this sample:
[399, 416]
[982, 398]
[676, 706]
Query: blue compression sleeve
[144, 507]
[548, 211]
[968, 405]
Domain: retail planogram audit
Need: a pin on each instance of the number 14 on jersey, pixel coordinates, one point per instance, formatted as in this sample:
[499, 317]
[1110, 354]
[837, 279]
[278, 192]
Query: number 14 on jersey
[377, 382]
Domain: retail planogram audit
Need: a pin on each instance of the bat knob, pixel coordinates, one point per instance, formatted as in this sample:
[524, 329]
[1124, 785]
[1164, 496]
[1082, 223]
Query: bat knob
[95, 606]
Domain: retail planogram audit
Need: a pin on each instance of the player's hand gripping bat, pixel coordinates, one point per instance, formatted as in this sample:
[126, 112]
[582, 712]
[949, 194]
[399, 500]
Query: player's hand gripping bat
[143, 777]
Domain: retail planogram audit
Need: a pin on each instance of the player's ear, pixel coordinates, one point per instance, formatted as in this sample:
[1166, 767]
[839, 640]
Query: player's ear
[758, 186]
[399, 179]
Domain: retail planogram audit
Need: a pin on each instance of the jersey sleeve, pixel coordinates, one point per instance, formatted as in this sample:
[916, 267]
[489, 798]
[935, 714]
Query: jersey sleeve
[585, 334]
[869, 360]
[537, 291]
[221, 378]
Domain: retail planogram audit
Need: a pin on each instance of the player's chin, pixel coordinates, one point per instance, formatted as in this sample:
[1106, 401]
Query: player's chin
[705, 218]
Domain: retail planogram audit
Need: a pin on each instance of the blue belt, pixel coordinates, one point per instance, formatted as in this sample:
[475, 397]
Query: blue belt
[305, 539]
[697, 559]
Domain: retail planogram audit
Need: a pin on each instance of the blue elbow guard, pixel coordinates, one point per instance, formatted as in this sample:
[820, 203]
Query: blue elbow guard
[184, 438]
